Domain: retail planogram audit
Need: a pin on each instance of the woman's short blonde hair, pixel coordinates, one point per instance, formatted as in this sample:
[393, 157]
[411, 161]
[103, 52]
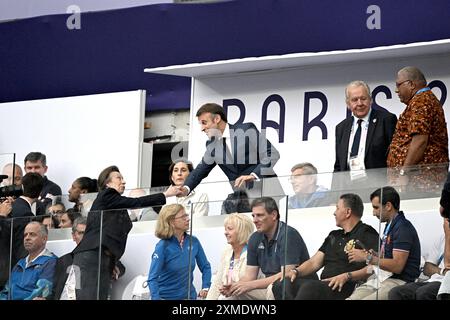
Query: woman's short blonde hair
[243, 225]
[164, 229]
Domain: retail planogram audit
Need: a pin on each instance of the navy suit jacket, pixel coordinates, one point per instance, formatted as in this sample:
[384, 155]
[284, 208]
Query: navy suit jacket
[252, 152]
[379, 136]
[49, 187]
[22, 215]
[21, 208]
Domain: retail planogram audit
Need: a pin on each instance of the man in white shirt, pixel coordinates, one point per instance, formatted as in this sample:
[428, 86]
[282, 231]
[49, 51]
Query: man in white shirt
[240, 150]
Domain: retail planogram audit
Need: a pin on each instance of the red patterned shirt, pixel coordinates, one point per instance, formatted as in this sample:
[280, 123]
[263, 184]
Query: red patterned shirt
[424, 115]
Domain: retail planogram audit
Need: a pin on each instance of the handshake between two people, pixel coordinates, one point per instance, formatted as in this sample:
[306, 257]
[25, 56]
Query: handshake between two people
[183, 191]
[178, 191]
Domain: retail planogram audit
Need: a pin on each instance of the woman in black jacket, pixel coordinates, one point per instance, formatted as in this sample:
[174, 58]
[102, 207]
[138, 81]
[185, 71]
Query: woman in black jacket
[109, 221]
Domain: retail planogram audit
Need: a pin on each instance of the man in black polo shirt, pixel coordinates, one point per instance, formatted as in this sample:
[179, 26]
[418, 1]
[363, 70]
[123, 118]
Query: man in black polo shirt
[339, 274]
[266, 252]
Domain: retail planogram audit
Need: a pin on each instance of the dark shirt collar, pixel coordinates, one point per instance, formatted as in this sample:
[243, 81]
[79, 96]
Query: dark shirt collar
[280, 225]
[355, 228]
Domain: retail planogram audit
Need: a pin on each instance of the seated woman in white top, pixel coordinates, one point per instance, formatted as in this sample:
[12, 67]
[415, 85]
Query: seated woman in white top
[178, 172]
[238, 228]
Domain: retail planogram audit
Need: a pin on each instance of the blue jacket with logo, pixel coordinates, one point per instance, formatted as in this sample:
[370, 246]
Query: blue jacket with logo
[33, 281]
[169, 270]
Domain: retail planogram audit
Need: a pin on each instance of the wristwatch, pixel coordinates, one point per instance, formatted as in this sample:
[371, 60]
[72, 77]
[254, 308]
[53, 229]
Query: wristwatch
[349, 276]
[369, 258]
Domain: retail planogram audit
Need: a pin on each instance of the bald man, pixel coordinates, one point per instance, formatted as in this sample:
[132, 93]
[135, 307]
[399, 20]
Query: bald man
[18, 174]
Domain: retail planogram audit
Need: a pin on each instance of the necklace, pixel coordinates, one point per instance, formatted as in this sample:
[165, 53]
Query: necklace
[181, 240]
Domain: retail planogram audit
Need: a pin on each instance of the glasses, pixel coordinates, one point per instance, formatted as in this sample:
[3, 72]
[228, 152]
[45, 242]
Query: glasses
[300, 177]
[397, 85]
[56, 212]
[184, 216]
[295, 178]
[79, 232]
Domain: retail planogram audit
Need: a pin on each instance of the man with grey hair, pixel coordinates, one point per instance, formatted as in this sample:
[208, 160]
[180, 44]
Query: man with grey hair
[32, 276]
[420, 137]
[65, 273]
[304, 183]
[376, 128]
[78, 228]
[362, 141]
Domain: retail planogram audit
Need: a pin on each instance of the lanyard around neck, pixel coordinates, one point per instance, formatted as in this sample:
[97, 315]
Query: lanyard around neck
[388, 226]
[423, 90]
[232, 257]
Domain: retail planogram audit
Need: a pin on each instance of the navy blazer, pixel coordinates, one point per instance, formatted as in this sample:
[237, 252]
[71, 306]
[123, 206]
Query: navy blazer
[21, 208]
[49, 187]
[116, 221]
[252, 152]
[379, 136]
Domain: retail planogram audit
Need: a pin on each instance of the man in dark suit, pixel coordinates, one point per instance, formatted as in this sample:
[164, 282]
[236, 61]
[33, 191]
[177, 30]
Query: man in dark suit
[37, 162]
[64, 267]
[362, 141]
[240, 150]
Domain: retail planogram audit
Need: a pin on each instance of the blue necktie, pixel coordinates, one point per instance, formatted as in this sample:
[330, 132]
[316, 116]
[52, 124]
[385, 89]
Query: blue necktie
[356, 140]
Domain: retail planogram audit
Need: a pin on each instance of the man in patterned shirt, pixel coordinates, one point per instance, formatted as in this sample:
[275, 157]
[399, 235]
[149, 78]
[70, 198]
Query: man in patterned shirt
[420, 137]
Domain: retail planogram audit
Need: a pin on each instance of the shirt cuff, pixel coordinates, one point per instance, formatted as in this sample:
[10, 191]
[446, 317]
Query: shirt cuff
[255, 175]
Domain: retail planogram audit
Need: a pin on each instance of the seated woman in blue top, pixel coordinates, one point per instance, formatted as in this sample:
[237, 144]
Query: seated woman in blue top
[169, 269]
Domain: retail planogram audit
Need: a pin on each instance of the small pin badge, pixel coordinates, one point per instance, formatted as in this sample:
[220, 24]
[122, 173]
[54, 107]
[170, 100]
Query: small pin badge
[374, 120]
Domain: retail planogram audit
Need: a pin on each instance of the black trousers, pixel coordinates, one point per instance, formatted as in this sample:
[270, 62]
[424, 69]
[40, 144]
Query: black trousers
[415, 291]
[311, 289]
[91, 287]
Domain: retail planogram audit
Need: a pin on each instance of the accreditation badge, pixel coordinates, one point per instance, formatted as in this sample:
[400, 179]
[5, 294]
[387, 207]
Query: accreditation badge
[357, 168]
